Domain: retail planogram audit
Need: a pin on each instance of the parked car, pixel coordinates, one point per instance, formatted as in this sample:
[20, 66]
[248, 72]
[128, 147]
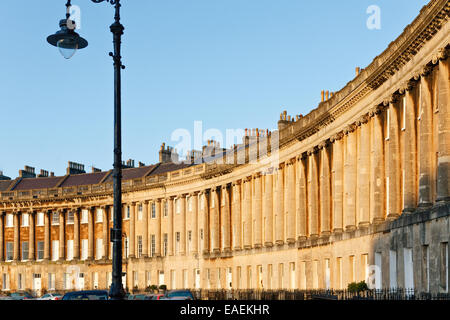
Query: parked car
[21, 296]
[137, 297]
[157, 296]
[51, 296]
[179, 295]
[86, 295]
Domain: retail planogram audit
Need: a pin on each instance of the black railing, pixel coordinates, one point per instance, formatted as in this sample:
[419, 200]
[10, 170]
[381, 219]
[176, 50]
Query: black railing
[381, 294]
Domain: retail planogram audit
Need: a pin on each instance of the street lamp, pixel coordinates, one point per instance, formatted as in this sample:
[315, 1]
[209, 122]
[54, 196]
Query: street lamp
[68, 42]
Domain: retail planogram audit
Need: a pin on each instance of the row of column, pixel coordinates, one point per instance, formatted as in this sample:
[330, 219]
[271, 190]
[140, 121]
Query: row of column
[32, 247]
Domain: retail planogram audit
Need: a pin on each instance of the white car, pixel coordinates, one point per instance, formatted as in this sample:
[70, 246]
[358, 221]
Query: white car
[51, 296]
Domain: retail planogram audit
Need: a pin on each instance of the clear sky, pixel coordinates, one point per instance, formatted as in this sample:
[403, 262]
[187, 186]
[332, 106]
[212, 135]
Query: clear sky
[229, 63]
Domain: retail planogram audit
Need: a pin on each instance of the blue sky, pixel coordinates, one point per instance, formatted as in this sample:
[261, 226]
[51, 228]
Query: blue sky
[229, 63]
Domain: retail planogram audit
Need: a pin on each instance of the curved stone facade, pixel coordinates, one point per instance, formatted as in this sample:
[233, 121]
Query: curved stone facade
[360, 184]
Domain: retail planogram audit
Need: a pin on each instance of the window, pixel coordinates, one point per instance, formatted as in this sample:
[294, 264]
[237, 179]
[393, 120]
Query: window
[70, 217]
[404, 113]
[177, 243]
[9, 221]
[99, 249]
[409, 271]
[25, 220]
[40, 219]
[189, 201]
[69, 250]
[201, 234]
[9, 251]
[55, 250]
[178, 205]
[99, 215]
[127, 213]
[378, 270]
[95, 280]
[388, 124]
[339, 272]
[153, 210]
[139, 243]
[327, 274]
[213, 198]
[165, 244]
[20, 281]
[55, 218]
[315, 274]
[185, 279]
[153, 245]
[67, 281]
[84, 249]
[127, 247]
[392, 269]
[352, 269]
[135, 279]
[40, 250]
[444, 266]
[140, 212]
[24, 250]
[165, 209]
[84, 216]
[51, 281]
[365, 266]
[202, 201]
[5, 281]
[148, 278]
[172, 279]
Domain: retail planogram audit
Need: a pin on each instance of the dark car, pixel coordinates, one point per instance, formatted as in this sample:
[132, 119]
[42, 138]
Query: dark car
[179, 295]
[21, 296]
[87, 295]
[137, 297]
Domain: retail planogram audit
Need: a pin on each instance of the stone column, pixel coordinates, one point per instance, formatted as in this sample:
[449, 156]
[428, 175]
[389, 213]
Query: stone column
[338, 179]
[214, 221]
[158, 227]
[290, 205]
[247, 220]
[31, 251]
[313, 194]
[171, 234]
[195, 226]
[226, 219]
[349, 186]
[62, 234]
[302, 207]
[132, 231]
[183, 225]
[76, 234]
[91, 240]
[145, 247]
[236, 216]
[377, 158]
[267, 209]
[443, 160]
[16, 253]
[363, 169]
[325, 191]
[47, 234]
[257, 210]
[105, 227]
[393, 160]
[2, 236]
[206, 222]
[409, 149]
[279, 215]
[425, 139]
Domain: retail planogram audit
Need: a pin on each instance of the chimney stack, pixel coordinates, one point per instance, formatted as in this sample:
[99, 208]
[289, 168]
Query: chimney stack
[168, 154]
[43, 174]
[2, 177]
[357, 71]
[94, 169]
[28, 172]
[75, 168]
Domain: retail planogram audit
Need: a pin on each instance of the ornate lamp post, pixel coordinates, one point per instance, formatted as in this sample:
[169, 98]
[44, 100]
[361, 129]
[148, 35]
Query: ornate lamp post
[68, 41]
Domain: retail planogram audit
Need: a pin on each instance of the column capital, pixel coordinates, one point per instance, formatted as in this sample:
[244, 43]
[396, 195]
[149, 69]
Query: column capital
[349, 129]
[323, 144]
[441, 54]
[291, 161]
[194, 193]
[311, 151]
[425, 70]
[376, 110]
[257, 175]
[238, 182]
[407, 86]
